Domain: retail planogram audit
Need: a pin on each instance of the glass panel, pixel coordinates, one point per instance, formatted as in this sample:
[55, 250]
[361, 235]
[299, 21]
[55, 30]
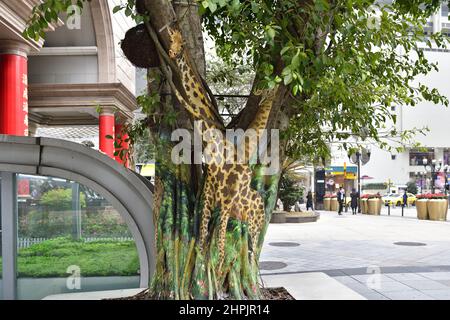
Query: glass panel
[70, 240]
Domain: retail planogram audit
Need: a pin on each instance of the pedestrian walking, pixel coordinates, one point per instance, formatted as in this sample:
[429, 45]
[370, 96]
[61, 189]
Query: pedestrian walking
[309, 201]
[341, 200]
[405, 199]
[355, 199]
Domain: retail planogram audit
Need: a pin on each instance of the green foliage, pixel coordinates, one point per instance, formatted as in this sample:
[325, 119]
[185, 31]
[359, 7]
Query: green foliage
[228, 79]
[340, 60]
[101, 258]
[60, 199]
[46, 13]
[48, 224]
[411, 187]
[289, 192]
[341, 63]
[374, 186]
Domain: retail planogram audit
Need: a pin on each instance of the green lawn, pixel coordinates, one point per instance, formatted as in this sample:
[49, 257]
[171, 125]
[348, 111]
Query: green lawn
[103, 258]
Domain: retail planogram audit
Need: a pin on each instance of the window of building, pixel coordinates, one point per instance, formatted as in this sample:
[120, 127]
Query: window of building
[445, 10]
[393, 156]
[70, 239]
[416, 157]
[393, 108]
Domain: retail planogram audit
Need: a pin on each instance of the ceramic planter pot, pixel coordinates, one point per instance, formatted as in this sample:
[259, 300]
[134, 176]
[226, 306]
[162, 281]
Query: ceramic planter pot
[446, 209]
[422, 209]
[437, 209]
[327, 204]
[364, 206]
[374, 207]
[334, 205]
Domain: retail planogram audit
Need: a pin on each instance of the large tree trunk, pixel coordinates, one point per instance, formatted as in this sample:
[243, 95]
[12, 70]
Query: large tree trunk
[210, 220]
[185, 270]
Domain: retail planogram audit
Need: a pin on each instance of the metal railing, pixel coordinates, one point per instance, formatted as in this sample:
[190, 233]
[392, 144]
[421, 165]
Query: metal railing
[24, 243]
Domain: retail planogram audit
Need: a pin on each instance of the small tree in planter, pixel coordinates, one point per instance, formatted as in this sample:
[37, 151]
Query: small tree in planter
[289, 192]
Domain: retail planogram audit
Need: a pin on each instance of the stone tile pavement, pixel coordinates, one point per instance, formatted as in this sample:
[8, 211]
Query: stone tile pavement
[361, 253]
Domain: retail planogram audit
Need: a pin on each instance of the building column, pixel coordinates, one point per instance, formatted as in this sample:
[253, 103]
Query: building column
[121, 140]
[107, 131]
[13, 88]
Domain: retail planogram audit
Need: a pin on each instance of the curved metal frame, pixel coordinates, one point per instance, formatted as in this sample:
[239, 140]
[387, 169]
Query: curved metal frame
[125, 190]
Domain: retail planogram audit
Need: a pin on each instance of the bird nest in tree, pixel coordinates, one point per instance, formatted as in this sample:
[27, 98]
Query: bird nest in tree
[139, 48]
[140, 7]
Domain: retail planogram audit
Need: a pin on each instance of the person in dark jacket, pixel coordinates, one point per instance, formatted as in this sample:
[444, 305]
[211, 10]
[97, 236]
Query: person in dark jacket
[309, 201]
[354, 203]
[341, 200]
[405, 199]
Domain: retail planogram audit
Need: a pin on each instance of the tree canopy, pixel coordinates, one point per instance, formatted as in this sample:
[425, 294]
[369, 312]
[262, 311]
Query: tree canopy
[345, 62]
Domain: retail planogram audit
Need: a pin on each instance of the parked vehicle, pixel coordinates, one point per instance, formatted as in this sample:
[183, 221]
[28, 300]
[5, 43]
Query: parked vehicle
[394, 199]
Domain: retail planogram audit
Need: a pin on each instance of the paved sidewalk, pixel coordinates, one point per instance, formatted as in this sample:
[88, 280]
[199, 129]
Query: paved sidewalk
[351, 248]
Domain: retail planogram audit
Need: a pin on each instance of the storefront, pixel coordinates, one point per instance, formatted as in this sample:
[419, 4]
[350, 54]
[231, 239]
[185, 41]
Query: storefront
[341, 176]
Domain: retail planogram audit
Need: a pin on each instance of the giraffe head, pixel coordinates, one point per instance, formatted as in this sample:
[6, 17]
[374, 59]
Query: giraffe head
[176, 45]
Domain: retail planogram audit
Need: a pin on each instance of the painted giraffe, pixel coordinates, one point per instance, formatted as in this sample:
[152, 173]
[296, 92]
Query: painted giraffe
[227, 186]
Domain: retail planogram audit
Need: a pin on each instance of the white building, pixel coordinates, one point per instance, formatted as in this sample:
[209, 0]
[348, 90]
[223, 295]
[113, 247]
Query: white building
[398, 169]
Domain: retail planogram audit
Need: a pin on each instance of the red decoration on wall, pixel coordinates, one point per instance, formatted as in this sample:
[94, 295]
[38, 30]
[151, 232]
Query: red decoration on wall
[107, 134]
[13, 95]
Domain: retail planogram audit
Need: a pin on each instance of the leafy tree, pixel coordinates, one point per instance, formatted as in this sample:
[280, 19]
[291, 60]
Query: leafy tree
[411, 187]
[60, 200]
[289, 192]
[324, 70]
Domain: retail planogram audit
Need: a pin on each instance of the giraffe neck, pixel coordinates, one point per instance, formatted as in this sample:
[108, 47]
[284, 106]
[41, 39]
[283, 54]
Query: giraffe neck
[196, 100]
[260, 121]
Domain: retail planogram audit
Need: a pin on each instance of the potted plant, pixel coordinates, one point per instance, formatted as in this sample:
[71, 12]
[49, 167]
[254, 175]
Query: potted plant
[363, 203]
[421, 206]
[327, 202]
[437, 207]
[289, 192]
[374, 204]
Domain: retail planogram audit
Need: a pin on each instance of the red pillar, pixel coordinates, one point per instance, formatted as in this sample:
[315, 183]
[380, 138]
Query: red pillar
[106, 132]
[13, 89]
[121, 138]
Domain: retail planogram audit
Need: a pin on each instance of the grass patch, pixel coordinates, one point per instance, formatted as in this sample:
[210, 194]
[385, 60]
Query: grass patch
[100, 258]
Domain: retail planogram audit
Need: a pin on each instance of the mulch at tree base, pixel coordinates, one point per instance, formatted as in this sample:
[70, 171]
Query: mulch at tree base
[276, 294]
[268, 294]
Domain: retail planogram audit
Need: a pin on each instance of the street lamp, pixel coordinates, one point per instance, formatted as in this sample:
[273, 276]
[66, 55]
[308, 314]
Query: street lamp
[434, 167]
[360, 158]
[420, 176]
